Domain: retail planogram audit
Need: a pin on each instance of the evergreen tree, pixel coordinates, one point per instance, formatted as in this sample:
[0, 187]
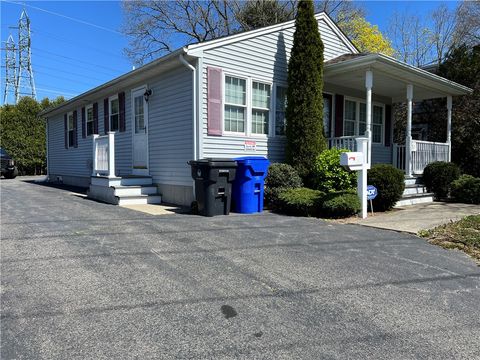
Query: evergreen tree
[304, 113]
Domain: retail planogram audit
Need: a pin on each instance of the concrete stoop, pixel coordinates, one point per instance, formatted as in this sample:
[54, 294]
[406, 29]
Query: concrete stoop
[129, 190]
[414, 193]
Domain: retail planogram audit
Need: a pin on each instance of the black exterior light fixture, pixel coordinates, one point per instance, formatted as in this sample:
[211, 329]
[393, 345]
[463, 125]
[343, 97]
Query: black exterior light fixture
[147, 94]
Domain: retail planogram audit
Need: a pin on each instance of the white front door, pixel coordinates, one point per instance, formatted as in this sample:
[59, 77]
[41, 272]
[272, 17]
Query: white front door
[140, 132]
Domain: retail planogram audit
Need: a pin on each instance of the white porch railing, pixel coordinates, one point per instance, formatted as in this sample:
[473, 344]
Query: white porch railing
[343, 142]
[104, 155]
[423, 153]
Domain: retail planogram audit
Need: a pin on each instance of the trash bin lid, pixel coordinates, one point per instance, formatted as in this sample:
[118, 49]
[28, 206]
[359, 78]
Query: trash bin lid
[258, 164]
[217, 162]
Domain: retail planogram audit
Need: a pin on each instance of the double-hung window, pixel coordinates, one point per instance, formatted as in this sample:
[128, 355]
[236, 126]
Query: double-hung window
[235, 104]
[355, 120]
[260, 107]
[280, 107]
[89, 120]
[71, 130]
[114, 114]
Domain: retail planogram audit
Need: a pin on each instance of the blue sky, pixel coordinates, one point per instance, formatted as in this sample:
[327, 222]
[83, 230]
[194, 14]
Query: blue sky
[70, 56]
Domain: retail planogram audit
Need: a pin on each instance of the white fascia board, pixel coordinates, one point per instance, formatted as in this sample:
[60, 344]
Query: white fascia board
[206, 45]
[441, 83]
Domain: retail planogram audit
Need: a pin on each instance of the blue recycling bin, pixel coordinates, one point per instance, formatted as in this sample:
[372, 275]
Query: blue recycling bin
[247, 191]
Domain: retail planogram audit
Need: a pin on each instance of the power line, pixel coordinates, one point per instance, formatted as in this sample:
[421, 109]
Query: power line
[73, 59]
[67, 17]
[63, 78]
[69, 72]
[70, 41]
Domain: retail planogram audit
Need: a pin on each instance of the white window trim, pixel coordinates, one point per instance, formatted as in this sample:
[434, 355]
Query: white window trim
[90, 106]
[68, 129]
[357, 114]
[247, 95]
[269, 83]
[248, 106]
[110, 99]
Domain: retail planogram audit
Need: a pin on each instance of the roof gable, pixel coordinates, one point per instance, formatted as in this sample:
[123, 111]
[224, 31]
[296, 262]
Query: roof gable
[193, 49]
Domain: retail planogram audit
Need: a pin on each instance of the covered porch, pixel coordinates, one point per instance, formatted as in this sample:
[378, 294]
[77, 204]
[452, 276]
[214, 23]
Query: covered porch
[365, 87]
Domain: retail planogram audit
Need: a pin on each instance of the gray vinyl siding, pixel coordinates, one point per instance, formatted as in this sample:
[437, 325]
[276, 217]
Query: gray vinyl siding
[264, 58]
[78, 161]
[381, 154]
[171, 127]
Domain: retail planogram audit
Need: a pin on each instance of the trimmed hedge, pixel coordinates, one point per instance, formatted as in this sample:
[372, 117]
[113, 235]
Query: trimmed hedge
[466, 189]
[279, 177]
[299, 202]
[340, 204]
[390, 183]
[438, 177]
[328, 176]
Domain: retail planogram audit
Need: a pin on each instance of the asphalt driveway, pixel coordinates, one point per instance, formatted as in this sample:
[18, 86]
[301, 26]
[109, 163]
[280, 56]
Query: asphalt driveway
[86, 280]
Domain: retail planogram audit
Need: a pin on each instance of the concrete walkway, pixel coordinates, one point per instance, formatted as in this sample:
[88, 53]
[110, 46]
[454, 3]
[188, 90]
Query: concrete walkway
[414, 218]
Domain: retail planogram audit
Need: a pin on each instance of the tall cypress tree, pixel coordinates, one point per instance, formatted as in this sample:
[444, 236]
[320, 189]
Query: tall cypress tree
[304, 113]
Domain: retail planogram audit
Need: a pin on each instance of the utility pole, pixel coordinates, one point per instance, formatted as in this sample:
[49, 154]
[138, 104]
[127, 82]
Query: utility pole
[25, 84]
[10, 70]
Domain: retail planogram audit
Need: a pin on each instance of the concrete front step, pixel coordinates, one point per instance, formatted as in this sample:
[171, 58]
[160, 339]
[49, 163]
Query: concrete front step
[413, 180]
[121, 181]
[415, 199]
[414, 190]
[139, 199]
[135, 190]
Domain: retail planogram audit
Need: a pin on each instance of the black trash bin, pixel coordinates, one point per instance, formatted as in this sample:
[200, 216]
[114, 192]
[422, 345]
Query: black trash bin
[213, 185]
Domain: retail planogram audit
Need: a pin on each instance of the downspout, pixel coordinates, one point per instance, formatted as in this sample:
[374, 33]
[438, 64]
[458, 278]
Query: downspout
[194, 110]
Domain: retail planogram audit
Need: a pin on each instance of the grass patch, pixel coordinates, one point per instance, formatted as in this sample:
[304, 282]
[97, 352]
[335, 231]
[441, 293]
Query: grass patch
[463, 235]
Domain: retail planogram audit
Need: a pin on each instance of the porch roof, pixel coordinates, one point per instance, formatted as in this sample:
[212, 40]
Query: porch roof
[390, 77]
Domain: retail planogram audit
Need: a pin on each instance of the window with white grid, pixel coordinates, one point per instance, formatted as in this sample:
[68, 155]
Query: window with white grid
[260, 107]
[377, 124]
[235, 104]
[350, 118]
[89, 117]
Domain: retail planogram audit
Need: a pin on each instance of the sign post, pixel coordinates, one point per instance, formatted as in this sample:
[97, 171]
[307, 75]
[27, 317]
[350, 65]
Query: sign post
[371, 194]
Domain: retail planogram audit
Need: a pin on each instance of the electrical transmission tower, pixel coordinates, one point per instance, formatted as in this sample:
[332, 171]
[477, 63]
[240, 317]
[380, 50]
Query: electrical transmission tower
[25, 84]
[10, 70]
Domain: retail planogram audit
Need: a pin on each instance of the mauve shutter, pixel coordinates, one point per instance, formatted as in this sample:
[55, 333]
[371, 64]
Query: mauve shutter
[388, 124]
[65, 123]
[106, 123]
[121, 104]
[95, 118]
[338, 115]
[214, 102]
[75, 127]
[84, 133]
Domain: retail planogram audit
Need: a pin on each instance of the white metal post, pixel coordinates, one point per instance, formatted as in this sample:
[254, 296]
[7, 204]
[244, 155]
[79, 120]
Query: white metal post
[111, 154]
[362, 146]
[94, 155]
[368, 132]
[408, 135]
[449, 127]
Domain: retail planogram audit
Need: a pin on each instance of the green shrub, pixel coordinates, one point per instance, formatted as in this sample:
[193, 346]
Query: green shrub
[390, 183]
[466, 189]
[279, 177]
[328, 176]
[299, 202]
[340, 204]
[438, 177]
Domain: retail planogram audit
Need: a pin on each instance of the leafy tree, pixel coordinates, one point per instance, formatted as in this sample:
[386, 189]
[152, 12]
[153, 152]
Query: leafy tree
[260, 13]
[22, 133]
[463, 66]
[366, 37]
[304, 113]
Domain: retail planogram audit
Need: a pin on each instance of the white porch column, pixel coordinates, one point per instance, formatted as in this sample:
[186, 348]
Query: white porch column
[408, 135]
[94, 154]
[111, 154]
[449, 126]
[368, 132]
